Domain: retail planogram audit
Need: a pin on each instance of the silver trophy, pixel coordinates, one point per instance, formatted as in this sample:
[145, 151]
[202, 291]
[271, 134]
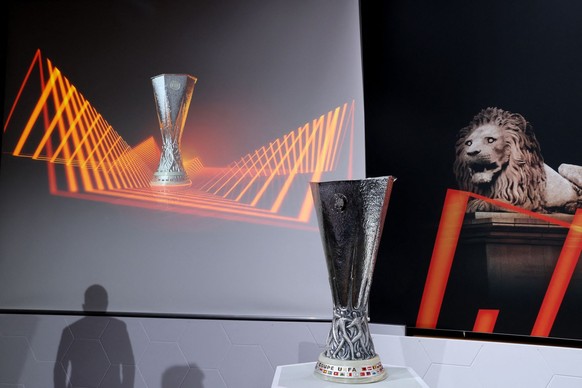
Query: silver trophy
[172, 94]
[351, 216]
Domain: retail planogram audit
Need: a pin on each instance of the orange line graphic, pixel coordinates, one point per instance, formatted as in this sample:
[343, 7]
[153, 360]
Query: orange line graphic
[561, 277]
[442, 258]
[91, 160]
[36, 61]
[485, 321]
[35, 113]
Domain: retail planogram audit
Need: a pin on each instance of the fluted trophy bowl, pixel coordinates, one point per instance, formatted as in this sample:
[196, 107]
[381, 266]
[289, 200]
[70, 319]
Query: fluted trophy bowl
[172, 95]
[351, 215]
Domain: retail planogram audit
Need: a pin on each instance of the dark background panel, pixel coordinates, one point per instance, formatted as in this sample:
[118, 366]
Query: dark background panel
[429, 67]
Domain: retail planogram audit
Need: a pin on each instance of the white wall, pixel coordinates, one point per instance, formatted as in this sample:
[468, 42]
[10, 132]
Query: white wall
[447, 363]
[197, 353]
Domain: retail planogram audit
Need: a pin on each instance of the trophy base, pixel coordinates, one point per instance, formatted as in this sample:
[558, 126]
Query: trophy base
[166, 181]
[350, 371]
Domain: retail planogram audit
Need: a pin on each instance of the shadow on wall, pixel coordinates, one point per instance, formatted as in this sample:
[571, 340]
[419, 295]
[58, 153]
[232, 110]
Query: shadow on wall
[182, 376]
[95, 351]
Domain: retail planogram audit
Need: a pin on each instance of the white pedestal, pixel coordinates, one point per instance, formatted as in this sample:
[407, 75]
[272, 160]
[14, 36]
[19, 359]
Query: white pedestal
[302, 376]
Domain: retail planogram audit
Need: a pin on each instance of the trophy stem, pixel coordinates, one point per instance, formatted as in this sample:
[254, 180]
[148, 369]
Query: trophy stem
[351, 216]
[172, 95]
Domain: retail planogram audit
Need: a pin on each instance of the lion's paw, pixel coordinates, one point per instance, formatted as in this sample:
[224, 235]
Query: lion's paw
[572, 173]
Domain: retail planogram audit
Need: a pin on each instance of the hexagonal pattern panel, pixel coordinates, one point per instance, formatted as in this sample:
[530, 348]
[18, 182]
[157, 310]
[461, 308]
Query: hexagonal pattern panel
[461, 353]
[85, 362]
[405, 351]
[45, 341]
[246, 366]
[205, 344]
[163, 361]
[440, 375]
[511, 365]
[565, 382]
[14, 352]
[89, 327]
[164, 329]
[137, 337]
[119, 375]
[195, 378]
[115, 341]
[210, 378]
[281, 341]
[562, 361]
[243, 354]
[35, 373]
[18, 325]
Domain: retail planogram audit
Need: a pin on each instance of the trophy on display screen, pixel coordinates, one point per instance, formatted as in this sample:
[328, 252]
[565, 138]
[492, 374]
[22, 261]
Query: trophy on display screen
[351, 217]
[172, 94]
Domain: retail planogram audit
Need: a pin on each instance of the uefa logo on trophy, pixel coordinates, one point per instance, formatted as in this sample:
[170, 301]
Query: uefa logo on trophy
[350, 215]
[172, 94]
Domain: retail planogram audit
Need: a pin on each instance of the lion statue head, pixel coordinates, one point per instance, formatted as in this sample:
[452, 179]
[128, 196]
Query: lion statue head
[498, 156]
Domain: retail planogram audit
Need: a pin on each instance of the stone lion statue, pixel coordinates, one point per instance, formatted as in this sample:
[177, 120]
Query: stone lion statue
[499, 157]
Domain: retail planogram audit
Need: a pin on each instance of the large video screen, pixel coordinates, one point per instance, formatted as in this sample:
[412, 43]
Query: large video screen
[480, 109]
[193, 203]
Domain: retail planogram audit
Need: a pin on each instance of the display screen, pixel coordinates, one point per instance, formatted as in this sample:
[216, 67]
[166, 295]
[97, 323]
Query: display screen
[175, 202]
[479, 111]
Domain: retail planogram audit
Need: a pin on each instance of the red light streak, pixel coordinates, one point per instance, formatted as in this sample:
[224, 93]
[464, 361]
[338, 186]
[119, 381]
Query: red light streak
[561, 277]
[36, 62]
[485, 321]
[442, 258]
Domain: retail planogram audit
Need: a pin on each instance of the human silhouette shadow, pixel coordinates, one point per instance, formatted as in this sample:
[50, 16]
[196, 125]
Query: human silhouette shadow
[95, 351]
[183, 376]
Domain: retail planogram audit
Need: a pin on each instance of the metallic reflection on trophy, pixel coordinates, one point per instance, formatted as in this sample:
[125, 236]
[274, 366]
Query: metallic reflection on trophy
[172, 94]
[351, 216]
